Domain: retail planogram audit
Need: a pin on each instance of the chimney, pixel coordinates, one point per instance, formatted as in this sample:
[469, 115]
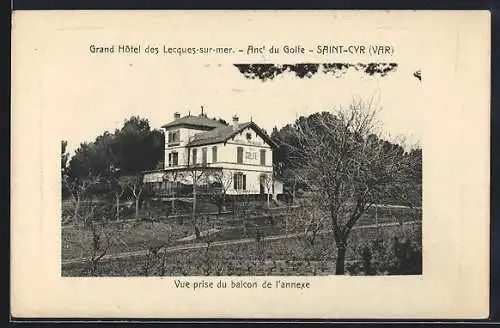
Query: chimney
[177, 115]
[235, 122]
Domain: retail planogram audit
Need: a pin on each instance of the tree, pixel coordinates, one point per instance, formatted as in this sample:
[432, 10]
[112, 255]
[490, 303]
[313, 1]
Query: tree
[267, 181]
[291, 179]
[101, 163]
[137, 147]
[266, 72]
[135, 185]
[223, 181]
[64, 167]
[196, 174]
[78, 188]
[132, 149]
[64, 157]
[309, 219]
[118, 186]
[349, 168]
[284, 157]
[102, 241]
[242, 209]
[172, 180]
[96, 158]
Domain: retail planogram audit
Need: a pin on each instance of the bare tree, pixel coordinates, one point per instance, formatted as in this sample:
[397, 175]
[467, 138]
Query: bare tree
[290, 177]
[135, 185]
[224, 181]
[242, 209]
[343, 160]
[155, 261]
[118, 187]
[156, 258]
[173, 189]
[78, 189]
[208, 256]
[310, 220]
[267, 181]
[102, 240]
[196, 174]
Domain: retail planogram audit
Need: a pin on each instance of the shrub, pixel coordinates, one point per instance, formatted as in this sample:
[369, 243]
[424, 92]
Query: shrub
[401, 257]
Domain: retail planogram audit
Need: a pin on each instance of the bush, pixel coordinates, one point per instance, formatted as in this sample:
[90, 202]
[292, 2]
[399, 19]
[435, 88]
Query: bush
[401, 257]
[408, 258]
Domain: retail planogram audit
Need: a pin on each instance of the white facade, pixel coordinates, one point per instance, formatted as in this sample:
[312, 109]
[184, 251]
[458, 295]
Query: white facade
[245, 158]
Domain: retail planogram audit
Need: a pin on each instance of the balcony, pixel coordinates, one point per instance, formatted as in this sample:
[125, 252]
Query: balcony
[173, 143]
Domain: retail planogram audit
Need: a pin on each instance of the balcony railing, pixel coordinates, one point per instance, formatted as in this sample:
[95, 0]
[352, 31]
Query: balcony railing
[173, 143]
[181, 190]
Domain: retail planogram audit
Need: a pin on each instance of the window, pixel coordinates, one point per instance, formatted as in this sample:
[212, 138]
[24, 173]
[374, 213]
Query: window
[240, 181]
[175, 158]
[173, 137]
[249, 136]
[204, 156]
[262, 157]
[169, 159]
[194, 156]
[239, 157]
[214, 154]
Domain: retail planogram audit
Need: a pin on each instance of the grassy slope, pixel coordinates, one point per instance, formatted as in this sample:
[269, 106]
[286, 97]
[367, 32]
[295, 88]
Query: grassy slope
[281, 257]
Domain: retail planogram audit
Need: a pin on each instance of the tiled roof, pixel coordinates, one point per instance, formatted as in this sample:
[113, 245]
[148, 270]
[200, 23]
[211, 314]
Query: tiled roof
[217, 135]
[201, 121]
[224, 133]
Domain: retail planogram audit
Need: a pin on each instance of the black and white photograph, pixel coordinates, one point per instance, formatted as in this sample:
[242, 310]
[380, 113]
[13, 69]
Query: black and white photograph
[250, 164]
[251, 182]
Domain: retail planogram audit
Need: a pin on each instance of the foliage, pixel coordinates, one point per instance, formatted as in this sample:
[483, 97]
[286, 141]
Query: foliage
[401, 257]
[130, 150]
[266, 72]
[348, 167]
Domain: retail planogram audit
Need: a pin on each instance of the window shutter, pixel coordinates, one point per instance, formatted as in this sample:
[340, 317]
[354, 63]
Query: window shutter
[244, 182]
[235, 181]
[194, 156]
[239, 158]
[262, 157]
[214, 154]
[204, 155]
[169, 159]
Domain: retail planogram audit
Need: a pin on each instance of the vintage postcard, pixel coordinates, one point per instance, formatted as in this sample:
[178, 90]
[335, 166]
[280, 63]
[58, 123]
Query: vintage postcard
[250, 164]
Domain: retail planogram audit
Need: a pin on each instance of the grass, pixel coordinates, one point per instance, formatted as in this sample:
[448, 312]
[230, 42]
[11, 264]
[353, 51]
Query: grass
[140, 235]
[126, 237]
[292, 256]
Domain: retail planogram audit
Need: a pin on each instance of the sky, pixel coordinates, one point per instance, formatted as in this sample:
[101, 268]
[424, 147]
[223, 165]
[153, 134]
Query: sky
[93, 97]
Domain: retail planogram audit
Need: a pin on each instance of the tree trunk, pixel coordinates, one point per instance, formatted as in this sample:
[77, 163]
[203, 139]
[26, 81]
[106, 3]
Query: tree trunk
[293, 193]
[194, 203]
[286, 234]
[340, 263]
[137, 208]
[173, 192]
[77, 205]
[117, 207]
[268, 205]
